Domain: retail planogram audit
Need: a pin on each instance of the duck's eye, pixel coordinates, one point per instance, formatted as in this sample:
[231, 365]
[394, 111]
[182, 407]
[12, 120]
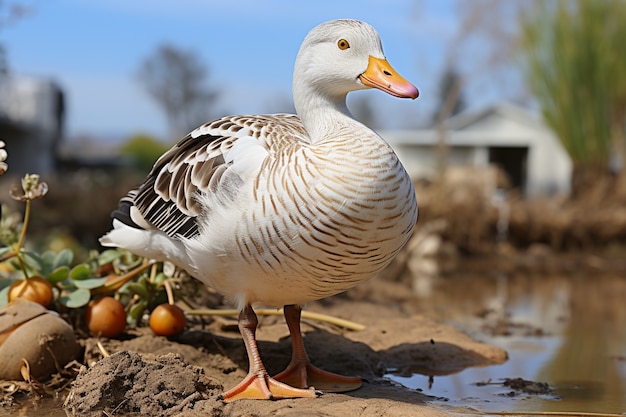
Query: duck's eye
[343, 44]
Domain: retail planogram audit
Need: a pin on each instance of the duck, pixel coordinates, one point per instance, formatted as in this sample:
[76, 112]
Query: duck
[282, 209]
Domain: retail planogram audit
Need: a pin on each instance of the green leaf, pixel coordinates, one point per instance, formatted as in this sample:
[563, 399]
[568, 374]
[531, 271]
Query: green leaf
[76, 299]
[136, 311]
[160, 278]
[60, 274]
[64, 258]
[32, 260]
[17, 268]
[90, 283]
[6, 282]
[136, 288]
[47, 258]
[80, 272]
[108, 256]
[4, 297]
[5, 250]
[160, 297]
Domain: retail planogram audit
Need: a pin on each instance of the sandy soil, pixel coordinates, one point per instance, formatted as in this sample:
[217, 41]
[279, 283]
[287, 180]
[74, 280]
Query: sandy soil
[152, 375]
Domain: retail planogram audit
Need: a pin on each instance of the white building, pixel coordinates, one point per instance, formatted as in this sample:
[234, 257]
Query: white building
[31, 123]
[504, 135]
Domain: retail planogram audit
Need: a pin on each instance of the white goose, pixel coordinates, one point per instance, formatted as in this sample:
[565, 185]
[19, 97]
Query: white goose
[283, 209]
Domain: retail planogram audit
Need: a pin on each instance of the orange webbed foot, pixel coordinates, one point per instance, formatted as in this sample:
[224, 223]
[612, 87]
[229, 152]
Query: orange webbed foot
[305, 375]
[263, 387]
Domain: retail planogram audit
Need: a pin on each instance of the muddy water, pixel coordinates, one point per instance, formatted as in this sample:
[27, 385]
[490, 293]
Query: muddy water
[567, 331]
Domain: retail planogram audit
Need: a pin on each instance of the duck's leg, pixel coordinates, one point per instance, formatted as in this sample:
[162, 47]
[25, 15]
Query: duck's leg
[300, 373]
[258, 384]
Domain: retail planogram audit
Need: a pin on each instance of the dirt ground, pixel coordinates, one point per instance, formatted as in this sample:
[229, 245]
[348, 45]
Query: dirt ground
[146, 375]
[150, 375]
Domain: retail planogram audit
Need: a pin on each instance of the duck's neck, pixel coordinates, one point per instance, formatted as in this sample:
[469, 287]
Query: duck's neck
[322, 114]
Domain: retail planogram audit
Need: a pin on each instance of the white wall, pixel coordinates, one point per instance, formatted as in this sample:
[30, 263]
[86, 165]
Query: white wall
[469, 138]
[30, 123]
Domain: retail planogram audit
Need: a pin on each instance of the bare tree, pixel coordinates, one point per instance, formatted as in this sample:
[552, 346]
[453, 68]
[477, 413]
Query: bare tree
[176, 80]
[451, 100]
[482, 53]
[4, 65]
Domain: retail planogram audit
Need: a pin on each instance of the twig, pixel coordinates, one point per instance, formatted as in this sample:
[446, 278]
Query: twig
[346, 324]
[20, 243]
[168, 290]
[7, 256]
[153, 273]
[119, 281]
[104, 352]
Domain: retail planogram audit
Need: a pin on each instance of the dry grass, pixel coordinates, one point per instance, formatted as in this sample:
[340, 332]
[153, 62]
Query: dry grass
[594, 219]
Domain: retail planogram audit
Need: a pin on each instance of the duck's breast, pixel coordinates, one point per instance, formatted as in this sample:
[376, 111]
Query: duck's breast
[320, 219]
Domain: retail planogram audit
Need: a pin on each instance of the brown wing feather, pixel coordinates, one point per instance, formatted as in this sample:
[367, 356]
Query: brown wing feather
[166, 200]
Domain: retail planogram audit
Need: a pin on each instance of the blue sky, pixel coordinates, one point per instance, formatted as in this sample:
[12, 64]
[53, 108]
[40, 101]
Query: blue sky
[93, 49]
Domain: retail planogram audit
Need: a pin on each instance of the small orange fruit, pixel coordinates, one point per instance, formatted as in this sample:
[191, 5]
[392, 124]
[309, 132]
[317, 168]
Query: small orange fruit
[105, 317]
[167, 320]
[35, 289]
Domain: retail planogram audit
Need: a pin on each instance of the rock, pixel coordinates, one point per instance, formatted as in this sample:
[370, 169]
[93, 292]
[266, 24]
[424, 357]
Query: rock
[31, 332]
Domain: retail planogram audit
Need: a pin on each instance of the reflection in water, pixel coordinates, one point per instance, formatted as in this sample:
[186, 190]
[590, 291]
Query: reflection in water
[586, 367]
[567, 331]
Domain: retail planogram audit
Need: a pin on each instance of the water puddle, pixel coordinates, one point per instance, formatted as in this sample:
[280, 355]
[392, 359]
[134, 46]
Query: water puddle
[568, 332]
[46, 407]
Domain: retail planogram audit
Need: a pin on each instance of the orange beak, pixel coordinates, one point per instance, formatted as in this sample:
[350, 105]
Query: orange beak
[379, 74]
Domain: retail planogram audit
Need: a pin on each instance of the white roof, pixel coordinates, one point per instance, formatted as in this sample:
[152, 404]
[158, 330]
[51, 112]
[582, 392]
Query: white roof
[504, 124]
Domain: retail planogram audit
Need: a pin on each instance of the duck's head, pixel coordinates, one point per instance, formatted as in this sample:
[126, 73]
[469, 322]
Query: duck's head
[345, 55]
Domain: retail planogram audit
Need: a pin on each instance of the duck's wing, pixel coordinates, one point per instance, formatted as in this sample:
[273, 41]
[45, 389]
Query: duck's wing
[205, 161]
